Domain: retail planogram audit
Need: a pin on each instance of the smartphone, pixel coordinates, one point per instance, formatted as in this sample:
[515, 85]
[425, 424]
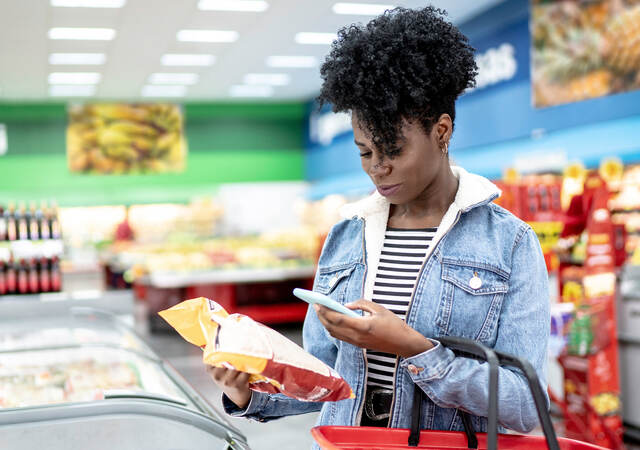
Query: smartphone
[312, 297]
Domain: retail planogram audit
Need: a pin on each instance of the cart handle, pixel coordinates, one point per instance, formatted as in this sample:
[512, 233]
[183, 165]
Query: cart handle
[494, 359]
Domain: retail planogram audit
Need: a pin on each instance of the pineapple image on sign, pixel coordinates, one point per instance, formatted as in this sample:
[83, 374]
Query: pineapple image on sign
[584, 49]
[125, 138]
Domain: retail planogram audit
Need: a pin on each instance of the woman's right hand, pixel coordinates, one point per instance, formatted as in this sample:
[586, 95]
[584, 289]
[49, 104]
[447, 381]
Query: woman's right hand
[233, 383]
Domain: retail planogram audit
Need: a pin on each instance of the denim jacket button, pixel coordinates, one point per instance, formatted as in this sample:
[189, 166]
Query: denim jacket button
[414, 370]
[475, 282]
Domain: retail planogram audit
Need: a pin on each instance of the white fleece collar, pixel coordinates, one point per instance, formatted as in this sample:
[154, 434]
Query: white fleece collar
[473, 190]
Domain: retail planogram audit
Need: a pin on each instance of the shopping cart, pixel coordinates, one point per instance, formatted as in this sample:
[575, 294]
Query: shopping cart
[373, 438]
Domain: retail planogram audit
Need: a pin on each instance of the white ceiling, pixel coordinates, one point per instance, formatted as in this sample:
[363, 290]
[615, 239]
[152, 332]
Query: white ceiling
[146, 29]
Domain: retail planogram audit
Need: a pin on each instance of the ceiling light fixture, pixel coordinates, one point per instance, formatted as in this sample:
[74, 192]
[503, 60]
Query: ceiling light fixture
[87, 34]
[233, 5]
[315, 38]
[242, 90]
[360, 9]
[173, 78]
[292, 61]
[74, 78]
[163, 91]
[61, 90]
[268, 79]
[89, 3]
[176, 59]
[88, 59]
[207, 36]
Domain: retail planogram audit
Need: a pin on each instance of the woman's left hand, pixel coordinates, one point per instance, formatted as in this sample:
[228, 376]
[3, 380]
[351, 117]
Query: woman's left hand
[381, 330]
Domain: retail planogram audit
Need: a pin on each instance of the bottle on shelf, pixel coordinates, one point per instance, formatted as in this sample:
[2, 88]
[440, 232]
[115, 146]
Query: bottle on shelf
[5, 254]
[10, 219]
[3, 225]
[22, 220]
[34, 279]
[34, 227]
[43, 221]
[44, 275]
[54, 223]
[3, 278]
[56, 276]
[23, 276]
[11, 277]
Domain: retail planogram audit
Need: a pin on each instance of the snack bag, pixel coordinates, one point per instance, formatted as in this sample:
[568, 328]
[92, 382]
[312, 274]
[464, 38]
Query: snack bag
[276, 364]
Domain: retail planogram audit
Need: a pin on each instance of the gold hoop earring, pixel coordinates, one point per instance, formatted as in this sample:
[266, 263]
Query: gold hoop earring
[445, 149]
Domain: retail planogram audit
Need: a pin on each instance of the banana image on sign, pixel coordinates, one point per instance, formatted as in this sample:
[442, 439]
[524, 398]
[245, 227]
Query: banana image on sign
[125, 139]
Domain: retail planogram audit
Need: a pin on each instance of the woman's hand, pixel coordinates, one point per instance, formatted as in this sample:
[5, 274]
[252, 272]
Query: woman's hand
[382, 330]
[233, 383]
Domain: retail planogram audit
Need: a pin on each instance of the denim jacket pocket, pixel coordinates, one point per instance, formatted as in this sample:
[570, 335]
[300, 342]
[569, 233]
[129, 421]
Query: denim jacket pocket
[333, 281]
[470, 301]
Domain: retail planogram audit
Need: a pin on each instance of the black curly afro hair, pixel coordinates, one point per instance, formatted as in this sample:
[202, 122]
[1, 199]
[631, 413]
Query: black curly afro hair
[403, 65]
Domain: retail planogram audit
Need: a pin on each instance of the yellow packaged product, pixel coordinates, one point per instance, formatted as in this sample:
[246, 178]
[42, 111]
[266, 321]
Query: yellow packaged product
[276, 364]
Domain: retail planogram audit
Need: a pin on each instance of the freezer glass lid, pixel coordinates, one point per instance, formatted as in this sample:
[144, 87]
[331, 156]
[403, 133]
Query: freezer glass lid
[81, 327]
[39, 377]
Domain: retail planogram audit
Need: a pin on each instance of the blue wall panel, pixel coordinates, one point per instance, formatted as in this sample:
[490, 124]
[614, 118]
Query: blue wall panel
[495, 124]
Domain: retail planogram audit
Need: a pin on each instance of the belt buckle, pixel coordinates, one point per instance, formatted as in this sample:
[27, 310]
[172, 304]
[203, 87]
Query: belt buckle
[368, 403]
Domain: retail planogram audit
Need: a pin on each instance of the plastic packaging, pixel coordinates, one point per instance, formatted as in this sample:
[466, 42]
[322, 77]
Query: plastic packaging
[276, 364]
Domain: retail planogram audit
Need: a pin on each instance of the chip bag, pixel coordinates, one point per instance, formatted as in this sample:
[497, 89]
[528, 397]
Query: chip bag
[276, 364]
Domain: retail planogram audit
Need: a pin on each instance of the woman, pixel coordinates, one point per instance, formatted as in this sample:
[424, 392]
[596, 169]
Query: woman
[427, 255]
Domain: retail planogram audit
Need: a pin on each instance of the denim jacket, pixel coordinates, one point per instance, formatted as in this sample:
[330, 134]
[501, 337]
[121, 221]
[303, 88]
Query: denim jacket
[509, 311]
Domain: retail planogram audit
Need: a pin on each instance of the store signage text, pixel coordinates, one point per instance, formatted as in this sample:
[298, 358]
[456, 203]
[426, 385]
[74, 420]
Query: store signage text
[496, 65]
[323, 128]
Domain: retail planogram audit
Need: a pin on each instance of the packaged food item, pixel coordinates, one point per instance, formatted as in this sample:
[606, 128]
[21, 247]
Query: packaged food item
[276, 364]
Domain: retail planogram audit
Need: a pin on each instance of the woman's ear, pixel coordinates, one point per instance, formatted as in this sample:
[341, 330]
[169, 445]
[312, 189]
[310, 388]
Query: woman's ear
[444, 128]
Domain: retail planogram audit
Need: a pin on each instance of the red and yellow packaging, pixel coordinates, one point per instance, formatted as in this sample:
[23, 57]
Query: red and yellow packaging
[276, 364]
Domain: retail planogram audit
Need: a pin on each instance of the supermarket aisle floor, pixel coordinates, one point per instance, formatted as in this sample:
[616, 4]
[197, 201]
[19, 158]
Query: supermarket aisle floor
[289, 433]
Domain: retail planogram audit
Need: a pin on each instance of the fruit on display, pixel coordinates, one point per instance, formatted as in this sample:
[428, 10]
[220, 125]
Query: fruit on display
[584, 49]
[284, 249]
[123, 138]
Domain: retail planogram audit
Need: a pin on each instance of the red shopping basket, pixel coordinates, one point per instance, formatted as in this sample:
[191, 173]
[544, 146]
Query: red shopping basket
[373, 438]
[355, 438]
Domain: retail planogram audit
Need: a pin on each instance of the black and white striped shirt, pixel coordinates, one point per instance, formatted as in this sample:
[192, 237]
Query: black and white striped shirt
[403, 253]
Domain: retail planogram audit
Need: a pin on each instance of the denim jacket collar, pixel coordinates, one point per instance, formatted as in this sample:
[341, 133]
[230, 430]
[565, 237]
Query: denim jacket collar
[473, 191]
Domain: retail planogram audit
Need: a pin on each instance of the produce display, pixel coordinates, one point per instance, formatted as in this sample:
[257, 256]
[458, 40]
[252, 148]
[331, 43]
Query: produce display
[122, 138]
[584, 49]
[72, 375]
[284, 249]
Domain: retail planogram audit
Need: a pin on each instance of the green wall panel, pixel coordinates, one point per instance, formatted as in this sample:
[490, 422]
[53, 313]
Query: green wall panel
[35, 177]
[227, 143]
[36, 137]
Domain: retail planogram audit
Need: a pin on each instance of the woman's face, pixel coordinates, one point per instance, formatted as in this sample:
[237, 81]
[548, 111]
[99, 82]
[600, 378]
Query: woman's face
[408, 175]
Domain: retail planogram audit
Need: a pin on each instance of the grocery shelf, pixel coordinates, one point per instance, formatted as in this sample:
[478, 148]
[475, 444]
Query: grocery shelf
[175, 280]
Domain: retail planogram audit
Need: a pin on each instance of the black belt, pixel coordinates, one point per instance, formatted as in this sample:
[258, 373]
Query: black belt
[377, 403]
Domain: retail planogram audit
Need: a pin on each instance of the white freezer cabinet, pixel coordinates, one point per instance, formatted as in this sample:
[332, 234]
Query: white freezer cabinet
[84, 380]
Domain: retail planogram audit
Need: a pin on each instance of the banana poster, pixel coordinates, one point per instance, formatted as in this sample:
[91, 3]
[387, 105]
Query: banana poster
[584, 49]
[125, 138]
